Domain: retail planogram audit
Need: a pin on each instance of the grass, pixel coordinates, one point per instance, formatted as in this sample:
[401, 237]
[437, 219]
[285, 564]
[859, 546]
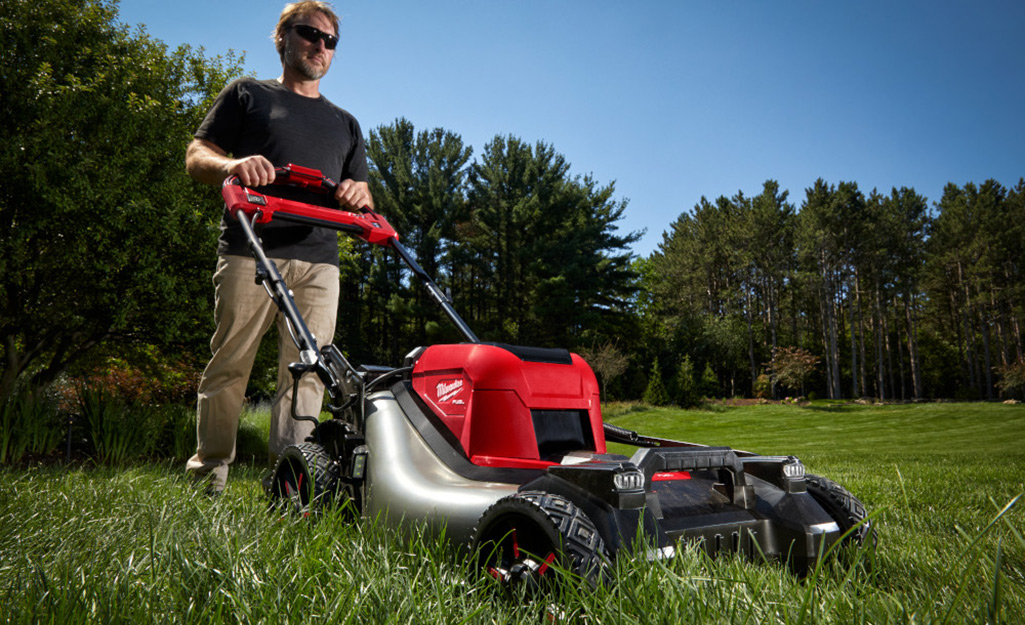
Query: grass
[137, 545]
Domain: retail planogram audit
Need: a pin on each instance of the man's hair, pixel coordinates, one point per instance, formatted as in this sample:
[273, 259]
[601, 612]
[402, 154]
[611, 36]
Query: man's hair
[298, 10]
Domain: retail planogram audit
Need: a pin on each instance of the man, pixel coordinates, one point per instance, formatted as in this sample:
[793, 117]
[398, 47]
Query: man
[252, 127]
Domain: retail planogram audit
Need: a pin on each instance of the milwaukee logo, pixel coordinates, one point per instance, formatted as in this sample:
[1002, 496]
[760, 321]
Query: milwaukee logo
[448, 390]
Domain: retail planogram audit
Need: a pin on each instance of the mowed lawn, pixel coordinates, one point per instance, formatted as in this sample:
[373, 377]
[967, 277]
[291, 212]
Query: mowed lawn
[137, 545]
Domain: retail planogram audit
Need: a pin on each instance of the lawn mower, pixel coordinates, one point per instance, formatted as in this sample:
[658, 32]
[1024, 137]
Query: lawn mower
[503, 448]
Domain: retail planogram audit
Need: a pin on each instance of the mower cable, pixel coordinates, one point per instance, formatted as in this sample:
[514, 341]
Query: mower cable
[401, 370]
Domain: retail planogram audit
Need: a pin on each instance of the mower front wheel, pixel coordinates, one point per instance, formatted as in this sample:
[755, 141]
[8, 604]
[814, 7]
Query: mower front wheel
[524, 539]
[304, 478]
[848, 512]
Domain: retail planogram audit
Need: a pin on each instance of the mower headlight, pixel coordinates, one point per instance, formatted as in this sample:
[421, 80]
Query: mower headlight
[630, 480]
[793, 469]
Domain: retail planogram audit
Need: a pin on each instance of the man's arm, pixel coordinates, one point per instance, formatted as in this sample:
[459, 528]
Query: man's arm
[206, 162]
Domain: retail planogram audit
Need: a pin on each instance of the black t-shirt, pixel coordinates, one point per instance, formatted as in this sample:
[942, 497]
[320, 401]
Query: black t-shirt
[263, 117]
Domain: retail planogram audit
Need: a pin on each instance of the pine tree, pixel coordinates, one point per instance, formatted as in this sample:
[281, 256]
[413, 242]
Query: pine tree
[656, 393]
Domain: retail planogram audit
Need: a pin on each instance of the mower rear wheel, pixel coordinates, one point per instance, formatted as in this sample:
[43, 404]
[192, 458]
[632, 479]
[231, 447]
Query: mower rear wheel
[844, 508]
[304, 478]
[522, 538]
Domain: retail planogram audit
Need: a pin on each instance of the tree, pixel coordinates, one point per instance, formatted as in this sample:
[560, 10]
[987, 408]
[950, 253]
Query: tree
[418, 182]
[792, 366]
[831, 227]
[700, 291]
[608, 363]
[769, 238]
[686, 390]
[656, 393]
[906, 220]
[548, 265]
[103, 237]
[974, 275]
[709, 382]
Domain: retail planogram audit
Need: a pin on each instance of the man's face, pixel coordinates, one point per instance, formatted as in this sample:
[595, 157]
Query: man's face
[310, 59]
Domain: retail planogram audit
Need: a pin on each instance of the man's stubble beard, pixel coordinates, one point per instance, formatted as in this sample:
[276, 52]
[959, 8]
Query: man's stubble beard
[300, 64]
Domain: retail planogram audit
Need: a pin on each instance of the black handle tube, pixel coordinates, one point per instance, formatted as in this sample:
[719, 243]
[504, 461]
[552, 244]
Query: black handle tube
[305, 340]
[435, 291]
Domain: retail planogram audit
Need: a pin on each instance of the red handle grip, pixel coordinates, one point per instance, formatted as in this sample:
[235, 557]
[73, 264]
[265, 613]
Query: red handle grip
[367, 225]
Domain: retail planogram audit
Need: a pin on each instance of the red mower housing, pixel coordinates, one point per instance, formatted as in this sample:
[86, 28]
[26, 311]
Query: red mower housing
[511, 406]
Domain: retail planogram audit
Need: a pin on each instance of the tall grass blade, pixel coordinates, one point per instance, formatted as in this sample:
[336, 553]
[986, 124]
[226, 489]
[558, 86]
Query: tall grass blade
[963, 585]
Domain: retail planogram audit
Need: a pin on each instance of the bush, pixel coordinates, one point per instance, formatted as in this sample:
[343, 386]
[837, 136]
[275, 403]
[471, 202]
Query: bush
[763, 387]
[178, 438]
[792, 367]
[1012, 379]
[108, 423]
[29, 423]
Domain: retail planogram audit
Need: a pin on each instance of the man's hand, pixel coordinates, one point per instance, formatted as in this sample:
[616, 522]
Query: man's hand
[252, 171]
[208, 163]
[352, 194]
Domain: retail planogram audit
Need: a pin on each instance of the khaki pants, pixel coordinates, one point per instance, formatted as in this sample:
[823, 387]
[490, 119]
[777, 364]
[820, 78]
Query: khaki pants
[244, 312]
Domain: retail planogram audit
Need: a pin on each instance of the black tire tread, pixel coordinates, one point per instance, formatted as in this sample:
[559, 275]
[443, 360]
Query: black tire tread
[581, 544]
[844, 507]
[313, 460]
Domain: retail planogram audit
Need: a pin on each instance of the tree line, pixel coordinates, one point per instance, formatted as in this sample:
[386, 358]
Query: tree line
[894, 300]
[106, 248]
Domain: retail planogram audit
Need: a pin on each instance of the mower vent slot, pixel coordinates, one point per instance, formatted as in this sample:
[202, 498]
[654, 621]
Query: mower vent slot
[561, 431]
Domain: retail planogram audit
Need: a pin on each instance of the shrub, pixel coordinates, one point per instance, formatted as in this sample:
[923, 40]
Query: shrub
[121, 430]
[29, 423]
[106, 418]
[1012, 379]
[178, 435]
[763, 387]
[792, 366]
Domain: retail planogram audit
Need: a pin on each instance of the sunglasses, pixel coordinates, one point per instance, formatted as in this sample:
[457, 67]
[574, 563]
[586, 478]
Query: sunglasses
[313, 35]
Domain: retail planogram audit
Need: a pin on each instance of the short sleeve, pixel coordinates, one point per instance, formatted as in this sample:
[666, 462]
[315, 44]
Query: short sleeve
[222, 125]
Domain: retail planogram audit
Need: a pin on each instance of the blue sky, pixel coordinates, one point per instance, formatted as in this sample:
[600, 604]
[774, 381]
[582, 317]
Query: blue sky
[675, 100]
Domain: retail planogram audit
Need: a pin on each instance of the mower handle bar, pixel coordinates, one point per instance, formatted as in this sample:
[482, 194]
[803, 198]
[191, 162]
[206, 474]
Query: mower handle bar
[367, 225]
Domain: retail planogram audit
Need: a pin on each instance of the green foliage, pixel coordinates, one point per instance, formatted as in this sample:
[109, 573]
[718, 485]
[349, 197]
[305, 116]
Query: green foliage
[253, 432]
[528, 251]
[975, 272]
[29, 424]
[178, 439]
[709, 382]
[544, 264]
[686, 389]
[103, 237]
[1012, 378]
[656, 393]
[118, 429]
[418, 180]
[763, 386]
[792, 367]
[897, 301]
